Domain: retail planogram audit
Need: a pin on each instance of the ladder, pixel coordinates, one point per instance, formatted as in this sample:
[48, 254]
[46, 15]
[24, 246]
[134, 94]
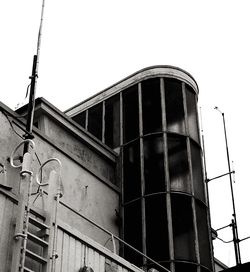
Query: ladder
[34, 257]
[33, 249]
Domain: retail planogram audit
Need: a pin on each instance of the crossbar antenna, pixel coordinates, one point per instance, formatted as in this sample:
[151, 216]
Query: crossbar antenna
[236, 239]
[33, 78]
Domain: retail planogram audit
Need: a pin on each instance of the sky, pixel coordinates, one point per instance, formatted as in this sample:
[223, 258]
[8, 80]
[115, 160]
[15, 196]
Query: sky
[86, 46]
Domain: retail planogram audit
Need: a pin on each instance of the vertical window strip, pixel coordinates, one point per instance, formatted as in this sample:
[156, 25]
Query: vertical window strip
[142, 172]
[87, 120]
[103, 121]
[167, 180]
[197, 251]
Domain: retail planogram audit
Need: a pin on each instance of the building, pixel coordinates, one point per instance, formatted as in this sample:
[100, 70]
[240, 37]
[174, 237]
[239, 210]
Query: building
[125, 187]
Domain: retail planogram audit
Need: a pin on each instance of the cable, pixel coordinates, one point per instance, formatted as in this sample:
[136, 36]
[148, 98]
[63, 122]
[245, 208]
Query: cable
[11, 124]
[27, 90]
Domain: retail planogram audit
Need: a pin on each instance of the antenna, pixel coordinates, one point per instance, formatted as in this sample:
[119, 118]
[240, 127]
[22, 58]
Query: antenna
[234, 226]
[33, 78]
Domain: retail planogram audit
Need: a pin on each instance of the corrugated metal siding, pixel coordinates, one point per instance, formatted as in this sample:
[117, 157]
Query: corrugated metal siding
[6, 232]
[74, 253]
[73, 248]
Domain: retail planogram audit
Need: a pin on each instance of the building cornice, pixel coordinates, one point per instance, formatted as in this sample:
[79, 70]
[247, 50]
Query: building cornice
[149, 72]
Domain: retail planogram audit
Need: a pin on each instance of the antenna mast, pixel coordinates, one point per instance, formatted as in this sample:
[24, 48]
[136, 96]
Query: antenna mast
[33, 78]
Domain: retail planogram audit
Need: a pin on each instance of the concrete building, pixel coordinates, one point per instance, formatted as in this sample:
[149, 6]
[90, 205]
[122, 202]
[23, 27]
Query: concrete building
[113, 184]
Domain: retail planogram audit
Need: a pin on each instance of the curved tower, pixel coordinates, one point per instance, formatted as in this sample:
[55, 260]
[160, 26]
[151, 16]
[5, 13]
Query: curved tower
[150, 119]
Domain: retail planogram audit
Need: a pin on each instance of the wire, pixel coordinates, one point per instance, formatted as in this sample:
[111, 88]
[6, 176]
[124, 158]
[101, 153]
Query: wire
[27, 90]
[19, 135]
[11, 124]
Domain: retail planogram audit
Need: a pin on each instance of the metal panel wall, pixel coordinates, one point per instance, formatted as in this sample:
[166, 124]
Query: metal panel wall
[74, 253]
[6, 232]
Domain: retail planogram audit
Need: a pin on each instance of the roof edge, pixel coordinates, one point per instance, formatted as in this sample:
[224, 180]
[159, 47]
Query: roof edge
[143, 72]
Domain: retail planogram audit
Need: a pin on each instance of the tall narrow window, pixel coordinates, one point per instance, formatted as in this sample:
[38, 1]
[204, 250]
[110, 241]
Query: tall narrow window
[95, 121]
[80, 119]
[178, 164]
[154, 165]
[183, 231]
[157, 227]
[130, 114]
[133, 231]
[197, 171]
[192, 117]
[132, 176]
[203, 236]
[151, 105]
[174, 106]
[112, 122]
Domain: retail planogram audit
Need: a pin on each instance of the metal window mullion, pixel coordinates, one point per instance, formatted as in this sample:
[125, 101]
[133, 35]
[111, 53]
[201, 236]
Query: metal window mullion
[167, 178]
[121, 119]
[103, 121]
[197, 119]
[87, 120]
[144, 247]
[197, 251]
[121, 171]
[184, 101]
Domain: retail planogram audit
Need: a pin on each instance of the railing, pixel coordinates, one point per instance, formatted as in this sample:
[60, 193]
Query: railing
[114, 237]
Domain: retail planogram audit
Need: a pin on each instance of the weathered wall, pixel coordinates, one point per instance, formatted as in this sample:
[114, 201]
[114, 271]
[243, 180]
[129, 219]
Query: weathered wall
[92, 160]
[85, 195]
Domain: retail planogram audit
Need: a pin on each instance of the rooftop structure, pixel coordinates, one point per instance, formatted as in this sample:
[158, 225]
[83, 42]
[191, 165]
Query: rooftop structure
[113, 184]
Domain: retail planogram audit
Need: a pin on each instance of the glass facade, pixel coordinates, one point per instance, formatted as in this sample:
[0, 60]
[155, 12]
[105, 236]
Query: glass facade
[154, 123]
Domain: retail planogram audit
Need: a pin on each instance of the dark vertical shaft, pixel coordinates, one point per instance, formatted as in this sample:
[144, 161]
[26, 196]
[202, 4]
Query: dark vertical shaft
[31, 105]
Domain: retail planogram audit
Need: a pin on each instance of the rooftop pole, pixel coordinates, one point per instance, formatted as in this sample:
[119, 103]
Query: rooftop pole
[32, 92]
[234, 221]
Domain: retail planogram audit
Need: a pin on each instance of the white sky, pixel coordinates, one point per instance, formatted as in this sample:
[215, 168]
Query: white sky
[89, 45]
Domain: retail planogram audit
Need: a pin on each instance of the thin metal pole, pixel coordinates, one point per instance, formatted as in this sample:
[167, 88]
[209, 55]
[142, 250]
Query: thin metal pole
[234, 226]
[33, 78]
[236, 240]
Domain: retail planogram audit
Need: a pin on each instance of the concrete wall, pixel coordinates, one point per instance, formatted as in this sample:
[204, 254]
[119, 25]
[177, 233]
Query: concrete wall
[85, 194]
[91, 160]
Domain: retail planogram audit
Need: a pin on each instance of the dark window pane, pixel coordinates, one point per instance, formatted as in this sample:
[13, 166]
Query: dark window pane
[132, 177]
[95, 121]
[151, 105]
[133, 231]
[192, 113]
[130, 114]
[185, 267]
[157, 227]
[174, 106]
[112, 122]
[197, 172]
[154, 165]
[183, 232]
[178, 164]
[203, 236]
[80, 119]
